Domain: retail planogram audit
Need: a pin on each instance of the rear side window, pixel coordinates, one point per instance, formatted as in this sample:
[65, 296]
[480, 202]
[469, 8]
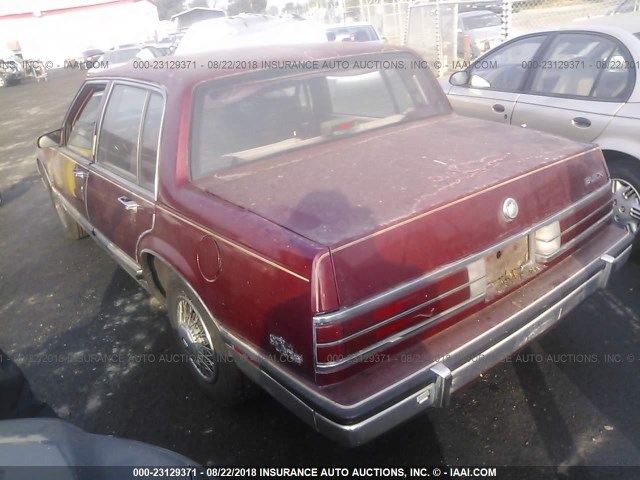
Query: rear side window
[583, 65]
[118, 148]
[129, 135]
[149, 142]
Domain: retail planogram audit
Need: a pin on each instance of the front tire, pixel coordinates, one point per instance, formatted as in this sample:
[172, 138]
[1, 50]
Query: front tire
[625, 177]
[72, 229]
[208, 359]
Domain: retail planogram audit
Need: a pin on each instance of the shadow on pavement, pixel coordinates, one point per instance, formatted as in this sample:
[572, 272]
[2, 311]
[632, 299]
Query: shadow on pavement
[129, 381]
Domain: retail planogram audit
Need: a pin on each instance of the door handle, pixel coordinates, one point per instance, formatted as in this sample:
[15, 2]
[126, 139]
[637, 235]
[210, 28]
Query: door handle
[128, 204]
[498, 108]
[80, 174]
[581, 122]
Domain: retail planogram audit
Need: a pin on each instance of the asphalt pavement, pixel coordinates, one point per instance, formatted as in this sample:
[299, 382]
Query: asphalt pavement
[99, 351]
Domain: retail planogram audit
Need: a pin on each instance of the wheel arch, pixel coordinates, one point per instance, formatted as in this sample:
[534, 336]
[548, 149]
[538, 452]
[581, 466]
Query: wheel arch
[614, 155]
[158, 271]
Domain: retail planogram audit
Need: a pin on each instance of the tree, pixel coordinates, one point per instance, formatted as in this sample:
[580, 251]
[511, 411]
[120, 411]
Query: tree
[246, 6]
[199, 3]
[168, 8]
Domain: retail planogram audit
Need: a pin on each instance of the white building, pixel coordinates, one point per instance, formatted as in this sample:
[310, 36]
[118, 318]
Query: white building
[54, 30]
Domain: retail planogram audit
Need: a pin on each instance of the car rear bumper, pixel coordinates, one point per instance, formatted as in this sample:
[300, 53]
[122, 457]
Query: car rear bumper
[452, 358]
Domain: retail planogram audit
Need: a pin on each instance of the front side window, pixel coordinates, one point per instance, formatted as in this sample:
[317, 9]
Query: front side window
[82, 125]
[582, 65]
[250, 120]
[506, 68]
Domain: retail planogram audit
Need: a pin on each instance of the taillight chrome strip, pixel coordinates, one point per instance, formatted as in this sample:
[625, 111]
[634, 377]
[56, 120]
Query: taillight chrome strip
[547, 258]
[407, 312]
[384, 298]
[582, 221]
[370, 350]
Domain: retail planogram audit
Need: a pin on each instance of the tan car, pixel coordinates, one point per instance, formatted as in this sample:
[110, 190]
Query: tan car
[580, 82]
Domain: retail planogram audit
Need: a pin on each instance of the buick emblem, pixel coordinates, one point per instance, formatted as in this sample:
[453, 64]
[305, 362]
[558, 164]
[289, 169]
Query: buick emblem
[510, 209]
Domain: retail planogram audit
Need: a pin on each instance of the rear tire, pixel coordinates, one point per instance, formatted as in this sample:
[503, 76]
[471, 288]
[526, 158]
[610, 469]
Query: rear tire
[625, 175]
[209, 361]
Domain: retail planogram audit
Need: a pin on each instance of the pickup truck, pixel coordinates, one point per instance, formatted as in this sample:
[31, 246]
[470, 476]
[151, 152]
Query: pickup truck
[319, 223]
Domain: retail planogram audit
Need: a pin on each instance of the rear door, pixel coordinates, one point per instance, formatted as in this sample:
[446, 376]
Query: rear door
[122, 185]
[496, 80]
[581, 81]
[69, 164]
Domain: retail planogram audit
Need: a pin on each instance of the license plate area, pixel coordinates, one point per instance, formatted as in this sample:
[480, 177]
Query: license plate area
[504, 267]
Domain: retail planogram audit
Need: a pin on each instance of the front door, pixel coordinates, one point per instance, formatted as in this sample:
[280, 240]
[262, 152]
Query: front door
[496, 81]
[69, 166]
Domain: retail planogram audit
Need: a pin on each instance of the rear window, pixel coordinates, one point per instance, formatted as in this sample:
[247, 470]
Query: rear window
[277, 111]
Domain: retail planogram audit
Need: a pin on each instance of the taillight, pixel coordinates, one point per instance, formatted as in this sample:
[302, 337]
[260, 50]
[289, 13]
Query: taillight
[351, 335]
[548, 239]
[557, 237]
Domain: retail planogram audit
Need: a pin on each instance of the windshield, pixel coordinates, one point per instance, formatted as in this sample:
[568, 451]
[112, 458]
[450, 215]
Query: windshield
[248, 121]
[481, 21]
[121, 56]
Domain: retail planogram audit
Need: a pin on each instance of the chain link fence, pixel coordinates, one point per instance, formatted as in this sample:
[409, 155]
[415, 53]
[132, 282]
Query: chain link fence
[450, 33]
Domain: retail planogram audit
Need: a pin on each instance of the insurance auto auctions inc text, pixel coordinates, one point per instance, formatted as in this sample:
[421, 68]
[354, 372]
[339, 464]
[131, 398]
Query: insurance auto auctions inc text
[373, 472]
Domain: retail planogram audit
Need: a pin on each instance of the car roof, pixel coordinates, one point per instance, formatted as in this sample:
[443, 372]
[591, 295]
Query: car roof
[240, 57]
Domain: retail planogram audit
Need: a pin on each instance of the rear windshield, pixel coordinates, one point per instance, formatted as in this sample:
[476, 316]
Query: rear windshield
[236, 122]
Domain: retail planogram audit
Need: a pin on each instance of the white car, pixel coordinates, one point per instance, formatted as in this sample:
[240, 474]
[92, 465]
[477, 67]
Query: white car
[114, 58]
[353, 32]
[249, 29]
[580, 82]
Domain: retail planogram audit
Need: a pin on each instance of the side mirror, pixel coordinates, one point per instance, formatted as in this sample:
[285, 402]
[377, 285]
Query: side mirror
[384, 39]
[51, 139]
[457, 79]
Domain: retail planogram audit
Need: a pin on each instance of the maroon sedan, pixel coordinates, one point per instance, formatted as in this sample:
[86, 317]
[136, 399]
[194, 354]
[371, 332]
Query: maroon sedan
[319, 223]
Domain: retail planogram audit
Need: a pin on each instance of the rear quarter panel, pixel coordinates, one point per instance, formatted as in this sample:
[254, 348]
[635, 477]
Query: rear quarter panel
[623, 132]
[253, 275]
